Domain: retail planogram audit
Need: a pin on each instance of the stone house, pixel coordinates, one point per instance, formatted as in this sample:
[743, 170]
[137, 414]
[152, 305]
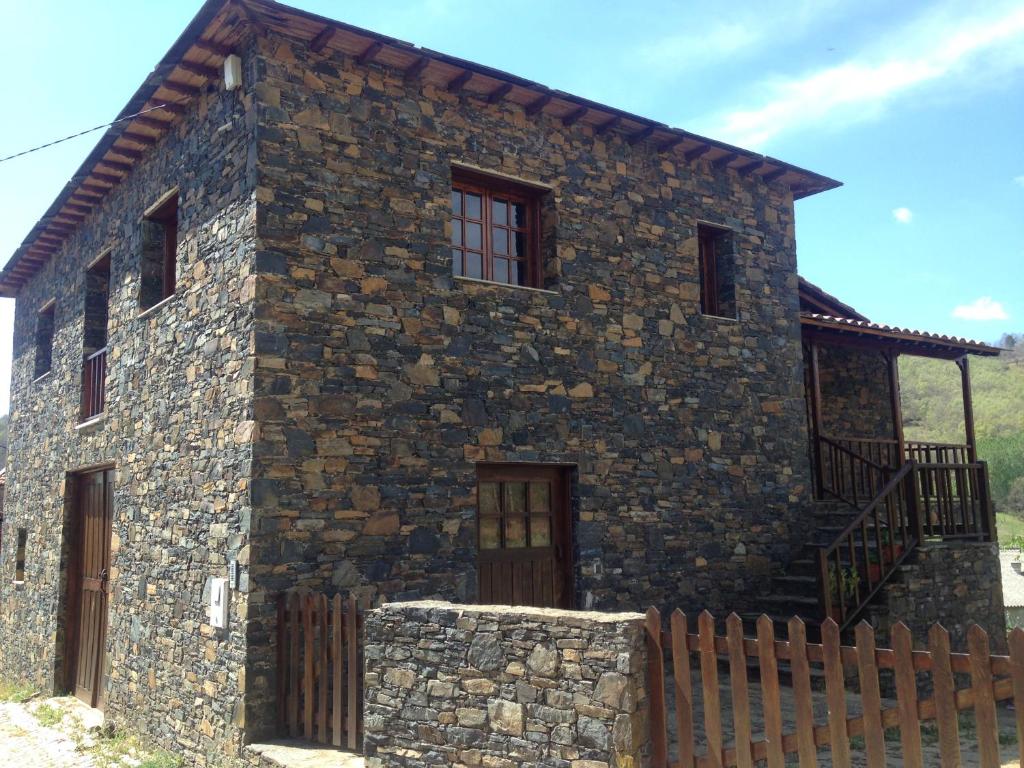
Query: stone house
[325, 309]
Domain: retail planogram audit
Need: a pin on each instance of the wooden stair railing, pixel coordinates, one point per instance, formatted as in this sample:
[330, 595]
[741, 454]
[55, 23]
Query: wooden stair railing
[849, 475]
[865, 554]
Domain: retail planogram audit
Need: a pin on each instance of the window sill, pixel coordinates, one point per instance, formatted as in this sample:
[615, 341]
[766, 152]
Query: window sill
[495, 284]
[92, 422]
[156, 307]
[42, 376]
[18, 584]
[723, 318]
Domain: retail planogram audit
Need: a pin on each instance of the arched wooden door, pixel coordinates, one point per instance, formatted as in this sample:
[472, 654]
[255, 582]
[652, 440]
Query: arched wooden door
[91, 584]
[524, 554]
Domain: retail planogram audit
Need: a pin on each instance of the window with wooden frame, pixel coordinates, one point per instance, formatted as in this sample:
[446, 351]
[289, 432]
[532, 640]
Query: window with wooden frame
[717, 271]
[19, 555]
[45, 324]
[159, 263]
[495, 230]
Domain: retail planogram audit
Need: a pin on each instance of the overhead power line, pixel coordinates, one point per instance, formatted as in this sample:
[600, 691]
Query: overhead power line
[83, 133]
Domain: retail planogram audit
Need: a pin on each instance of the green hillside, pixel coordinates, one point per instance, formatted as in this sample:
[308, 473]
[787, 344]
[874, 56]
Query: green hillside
[933, 410]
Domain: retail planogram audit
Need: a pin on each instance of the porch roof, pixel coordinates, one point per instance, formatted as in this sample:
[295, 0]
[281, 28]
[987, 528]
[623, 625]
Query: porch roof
[844, 330]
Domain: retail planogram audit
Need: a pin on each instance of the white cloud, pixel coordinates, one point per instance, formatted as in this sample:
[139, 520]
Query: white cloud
[903, 215]
[937, 46]
[981, 309]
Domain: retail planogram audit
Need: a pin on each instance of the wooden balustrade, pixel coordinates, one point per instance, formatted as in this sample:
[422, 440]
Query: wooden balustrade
[696, 688]
[864, 555]
[94, 377]
[954, 501]
[938, 453]
[319, 680]
[848, 475]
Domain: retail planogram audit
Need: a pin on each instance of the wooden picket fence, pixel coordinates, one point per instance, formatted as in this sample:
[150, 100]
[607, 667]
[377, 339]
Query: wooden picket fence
[319, 670]
[992, 678]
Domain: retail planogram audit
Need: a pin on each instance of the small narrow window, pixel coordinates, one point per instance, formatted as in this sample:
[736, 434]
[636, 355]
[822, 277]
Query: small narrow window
[45, 323]
[94, 338]
[717, 271]
[159, 252]
[19, 556]
[495, 230]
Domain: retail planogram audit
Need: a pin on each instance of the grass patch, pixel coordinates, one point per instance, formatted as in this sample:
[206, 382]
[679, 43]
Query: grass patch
[48, 715]
[16, 693]
[116, 749]
[1008, 527]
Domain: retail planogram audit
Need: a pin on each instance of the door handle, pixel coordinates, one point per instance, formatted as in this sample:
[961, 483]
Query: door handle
[103, 575]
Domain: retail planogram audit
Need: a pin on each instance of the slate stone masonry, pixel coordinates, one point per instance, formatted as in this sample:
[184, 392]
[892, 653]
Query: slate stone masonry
[499, 686]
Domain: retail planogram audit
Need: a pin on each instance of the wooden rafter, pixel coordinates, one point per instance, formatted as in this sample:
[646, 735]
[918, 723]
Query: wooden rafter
[724, 160]
[152, 122]
[168, 106]
[370, 53]
[700, 151]
[138, 138]
[537, 105]
[218, 49]
[109, 178]
[323, 37]
[414, 70]
[574, 116]
[768, 178]
[117, 165]
[668, 146]
[458, 82]
[185, 89]
[749, 168]
[641, 135]
[608, 125]
[499, 93]
[199, 70]
[131, 154]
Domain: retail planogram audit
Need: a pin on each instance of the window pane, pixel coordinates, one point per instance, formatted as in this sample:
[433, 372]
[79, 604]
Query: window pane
[487, 499]
[519, 244]
[490, 533]
[515, 532]
[540, 531]
[499, 240]
[499, 212]
[515, 498]
[457, 232]
[474, 235]
[540, 497]
[456, 261]
[456, 202]
[474, 265]
[500, 270]
[518, 215]
[473, 206]
[517, 273]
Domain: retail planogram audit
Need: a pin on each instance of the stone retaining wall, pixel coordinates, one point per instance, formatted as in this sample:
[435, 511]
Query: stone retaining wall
[501, 687]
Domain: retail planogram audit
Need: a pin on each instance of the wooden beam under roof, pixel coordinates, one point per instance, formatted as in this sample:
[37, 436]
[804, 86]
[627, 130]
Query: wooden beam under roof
[749, 168]
[87, 186]
[107, 177]
[131, 154]
[574, 116]
[217, 49]
[138, 138]
[499, 93]
[117, 165]
[370, 53]
[537, 105]
[166, 105]
[768, 178]
[152, 122]
[414, 70]
[700, 151]
[641, 135]
[608, 125]
[724, 160]
[78, 208]
[667, 146]
[199, 70]
[458, 82]
[185, 89]
[323, 37]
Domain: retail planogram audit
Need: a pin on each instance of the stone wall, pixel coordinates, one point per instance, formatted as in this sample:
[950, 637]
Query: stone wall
[177, 427]
[954, 584]
[854, 392]
[496, 686]
[381, 380]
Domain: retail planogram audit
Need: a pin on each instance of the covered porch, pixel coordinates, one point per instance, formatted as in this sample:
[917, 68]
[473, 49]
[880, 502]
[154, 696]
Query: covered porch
[904, 492]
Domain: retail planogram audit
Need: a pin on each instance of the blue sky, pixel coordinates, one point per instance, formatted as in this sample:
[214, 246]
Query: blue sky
[916, 107]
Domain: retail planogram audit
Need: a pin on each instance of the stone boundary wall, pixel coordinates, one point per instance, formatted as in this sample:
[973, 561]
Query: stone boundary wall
[502, 687]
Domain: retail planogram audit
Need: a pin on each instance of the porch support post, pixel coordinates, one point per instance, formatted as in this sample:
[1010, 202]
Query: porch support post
[816, 420]
[964, 364]
[891, 357]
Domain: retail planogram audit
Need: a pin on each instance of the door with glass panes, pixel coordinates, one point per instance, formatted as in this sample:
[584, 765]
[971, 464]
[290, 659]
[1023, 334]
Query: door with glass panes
[523, 535]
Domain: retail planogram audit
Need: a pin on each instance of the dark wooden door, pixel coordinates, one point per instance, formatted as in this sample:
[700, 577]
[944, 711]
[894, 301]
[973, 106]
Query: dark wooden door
[95, 506]
[523, 536]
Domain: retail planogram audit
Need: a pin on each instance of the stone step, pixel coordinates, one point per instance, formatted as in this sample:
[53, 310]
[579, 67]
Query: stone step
[788, 583]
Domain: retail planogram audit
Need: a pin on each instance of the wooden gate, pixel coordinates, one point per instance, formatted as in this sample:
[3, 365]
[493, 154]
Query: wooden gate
[319, 669]
[523, 536]
[89, 585]
[695, 659]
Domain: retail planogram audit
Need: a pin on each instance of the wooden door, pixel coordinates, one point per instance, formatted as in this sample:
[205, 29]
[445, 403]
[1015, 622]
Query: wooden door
[95, 506]
[523, 536]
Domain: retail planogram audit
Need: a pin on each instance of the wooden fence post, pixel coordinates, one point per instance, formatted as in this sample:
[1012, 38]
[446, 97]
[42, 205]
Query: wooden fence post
[656, 687]
[944, 687]
[684, 688]
[801, 671]
[984, 697]
[871, 698]
[740, 693]
[835, 693]
[906, 694]
[771, 700]
[709, 678]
